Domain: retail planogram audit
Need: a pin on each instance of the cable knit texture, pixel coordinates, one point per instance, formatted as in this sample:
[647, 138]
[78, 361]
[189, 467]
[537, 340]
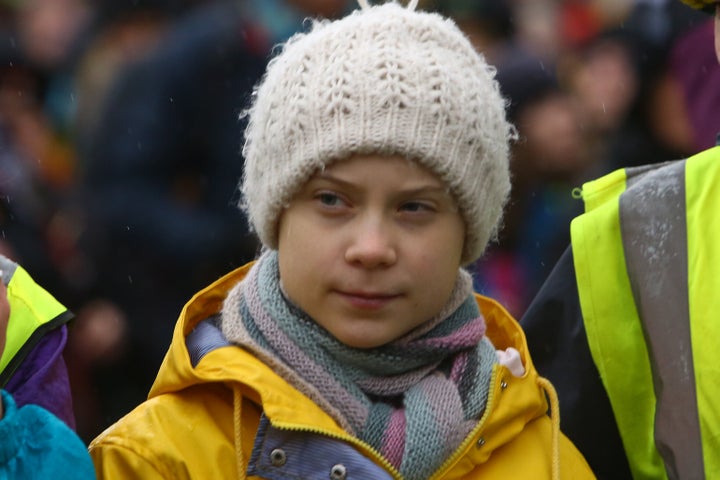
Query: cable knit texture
[384, 80]
[414, 400]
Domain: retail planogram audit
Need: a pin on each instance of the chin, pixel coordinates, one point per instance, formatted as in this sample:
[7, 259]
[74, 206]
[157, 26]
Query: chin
[363, 342]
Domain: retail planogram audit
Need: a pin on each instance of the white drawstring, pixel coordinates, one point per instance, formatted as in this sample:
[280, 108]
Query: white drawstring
[555, 422]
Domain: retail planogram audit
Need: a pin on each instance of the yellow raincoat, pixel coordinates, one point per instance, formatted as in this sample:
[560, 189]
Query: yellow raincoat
[201, 421]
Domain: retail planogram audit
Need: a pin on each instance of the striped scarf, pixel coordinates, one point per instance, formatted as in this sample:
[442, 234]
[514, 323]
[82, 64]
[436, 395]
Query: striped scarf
[413, 400]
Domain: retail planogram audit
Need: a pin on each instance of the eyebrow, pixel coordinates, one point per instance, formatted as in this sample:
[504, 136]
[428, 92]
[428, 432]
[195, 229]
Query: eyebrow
[421, 189]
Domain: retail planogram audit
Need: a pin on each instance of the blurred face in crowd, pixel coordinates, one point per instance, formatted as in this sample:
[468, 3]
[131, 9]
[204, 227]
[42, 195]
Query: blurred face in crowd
[370, 248]
[605, 84]
[49, 28]
[550, 128]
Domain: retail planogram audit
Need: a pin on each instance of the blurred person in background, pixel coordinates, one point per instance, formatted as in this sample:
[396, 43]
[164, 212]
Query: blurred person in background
[626, 324]
[489, 24]
[49, 33]
[36, 173]
[37, 162]
[579, 114]
[159, 170]
[693, 74]
[44, 45]
[628, 115]
[121, 33]
[549, 158]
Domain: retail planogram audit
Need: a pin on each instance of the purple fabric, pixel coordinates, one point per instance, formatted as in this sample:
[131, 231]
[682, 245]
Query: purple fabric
[307, 455]
[42, 378]
[695, 65]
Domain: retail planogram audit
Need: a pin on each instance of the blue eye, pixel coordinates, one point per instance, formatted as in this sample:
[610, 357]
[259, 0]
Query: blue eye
[414, 207]
[329, 199]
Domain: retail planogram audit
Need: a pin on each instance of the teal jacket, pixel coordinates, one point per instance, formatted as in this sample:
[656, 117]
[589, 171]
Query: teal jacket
[35, 444]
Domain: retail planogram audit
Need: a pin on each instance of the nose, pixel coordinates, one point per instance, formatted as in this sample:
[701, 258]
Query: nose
[372, 245]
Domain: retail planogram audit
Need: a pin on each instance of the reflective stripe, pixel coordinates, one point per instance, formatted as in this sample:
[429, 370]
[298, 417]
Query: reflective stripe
[652, 223]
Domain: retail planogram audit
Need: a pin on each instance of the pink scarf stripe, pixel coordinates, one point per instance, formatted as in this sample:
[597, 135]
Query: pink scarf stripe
[459, 367]
[446, 407]
[467, 336]
[393, 442]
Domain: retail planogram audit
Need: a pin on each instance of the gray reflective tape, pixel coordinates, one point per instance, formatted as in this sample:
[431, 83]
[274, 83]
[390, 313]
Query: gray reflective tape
[8, 268]
[653, 226]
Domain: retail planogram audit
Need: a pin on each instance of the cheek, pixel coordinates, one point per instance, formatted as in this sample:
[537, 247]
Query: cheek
[454, 242]
[303, 253]
[440, 254]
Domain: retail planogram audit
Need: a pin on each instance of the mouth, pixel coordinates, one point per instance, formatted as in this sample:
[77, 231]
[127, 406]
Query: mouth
[367, 300]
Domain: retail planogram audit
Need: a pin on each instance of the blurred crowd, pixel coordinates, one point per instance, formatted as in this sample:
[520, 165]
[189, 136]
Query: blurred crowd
[121, 128]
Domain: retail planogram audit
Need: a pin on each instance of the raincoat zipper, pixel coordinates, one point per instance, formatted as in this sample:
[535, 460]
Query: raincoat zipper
[460, 451]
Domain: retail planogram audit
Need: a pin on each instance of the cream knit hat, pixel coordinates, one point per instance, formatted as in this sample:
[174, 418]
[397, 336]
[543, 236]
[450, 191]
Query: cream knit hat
[384, 80]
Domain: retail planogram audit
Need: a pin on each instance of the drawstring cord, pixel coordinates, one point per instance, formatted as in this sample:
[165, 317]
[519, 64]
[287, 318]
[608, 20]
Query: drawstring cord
[555, 419]
[237, 424]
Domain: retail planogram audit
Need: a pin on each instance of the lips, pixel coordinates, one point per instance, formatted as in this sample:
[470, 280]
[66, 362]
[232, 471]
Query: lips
[367, 300]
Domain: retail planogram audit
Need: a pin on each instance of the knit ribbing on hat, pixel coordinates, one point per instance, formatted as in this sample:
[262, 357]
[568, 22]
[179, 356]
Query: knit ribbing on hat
[384, 80]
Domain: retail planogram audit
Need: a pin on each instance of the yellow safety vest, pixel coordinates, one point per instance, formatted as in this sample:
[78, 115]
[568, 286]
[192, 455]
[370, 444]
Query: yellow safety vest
[647, 260]
[33, 312]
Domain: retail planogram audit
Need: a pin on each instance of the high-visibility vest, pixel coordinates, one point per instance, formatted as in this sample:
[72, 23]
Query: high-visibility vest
[647, 261]
[33, 312]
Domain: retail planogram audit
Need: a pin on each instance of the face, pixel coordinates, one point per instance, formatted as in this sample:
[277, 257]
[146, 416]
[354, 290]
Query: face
[370, 248]
[605, 84]
[553, 139]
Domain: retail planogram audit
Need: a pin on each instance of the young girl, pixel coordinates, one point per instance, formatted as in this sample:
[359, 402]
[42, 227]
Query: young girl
[376, 167]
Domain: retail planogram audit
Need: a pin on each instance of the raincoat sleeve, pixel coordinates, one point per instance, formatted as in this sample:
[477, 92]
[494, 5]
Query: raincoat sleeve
[121, 461]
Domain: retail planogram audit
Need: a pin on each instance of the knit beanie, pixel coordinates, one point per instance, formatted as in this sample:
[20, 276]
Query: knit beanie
[384, 80]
